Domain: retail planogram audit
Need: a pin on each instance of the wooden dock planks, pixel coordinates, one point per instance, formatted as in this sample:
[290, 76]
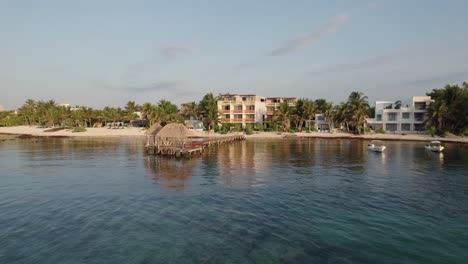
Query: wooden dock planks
[195, 147]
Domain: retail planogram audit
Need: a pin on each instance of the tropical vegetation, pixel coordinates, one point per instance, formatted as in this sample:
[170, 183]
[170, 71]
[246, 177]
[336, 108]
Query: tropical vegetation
[447, 113]
[449, 110]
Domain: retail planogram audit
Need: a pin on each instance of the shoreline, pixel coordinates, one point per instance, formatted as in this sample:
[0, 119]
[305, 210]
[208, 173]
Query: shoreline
[33, 132]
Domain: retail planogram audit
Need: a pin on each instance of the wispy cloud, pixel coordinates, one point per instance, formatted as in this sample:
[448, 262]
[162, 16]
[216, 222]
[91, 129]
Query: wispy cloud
[300, 42]
[440, 80]
[365, 64]
[172, 52]
[159, 86]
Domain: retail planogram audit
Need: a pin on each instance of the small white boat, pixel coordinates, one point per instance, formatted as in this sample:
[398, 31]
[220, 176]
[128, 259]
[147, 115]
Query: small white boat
[376, 145]
[435, 146]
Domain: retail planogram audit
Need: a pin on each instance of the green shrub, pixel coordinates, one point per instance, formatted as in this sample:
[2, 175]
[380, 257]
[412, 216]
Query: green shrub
[380, 130]
[248, 129]
[291, 130]
[365, 130]
[226, 128]
[237, 128]
[273, 126]
[79, 129]
[431, 130]
[258, 126]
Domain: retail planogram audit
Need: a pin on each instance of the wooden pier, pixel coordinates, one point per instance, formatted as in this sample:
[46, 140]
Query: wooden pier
[191, 146]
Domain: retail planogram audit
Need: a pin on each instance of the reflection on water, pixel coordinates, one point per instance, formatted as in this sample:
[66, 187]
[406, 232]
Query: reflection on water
[257, 201]
[170, 172]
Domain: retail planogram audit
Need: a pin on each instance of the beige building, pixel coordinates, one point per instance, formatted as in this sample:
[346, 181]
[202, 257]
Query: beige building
[249, 108]
[272, 104]
[241, 109]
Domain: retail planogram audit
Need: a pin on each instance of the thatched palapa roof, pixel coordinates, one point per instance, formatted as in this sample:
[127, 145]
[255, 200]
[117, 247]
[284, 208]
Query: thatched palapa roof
[154, 129]
[174, 130]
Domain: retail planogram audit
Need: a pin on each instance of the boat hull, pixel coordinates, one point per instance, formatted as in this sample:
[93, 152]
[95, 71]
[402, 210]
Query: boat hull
[434, 149]
[376, 148]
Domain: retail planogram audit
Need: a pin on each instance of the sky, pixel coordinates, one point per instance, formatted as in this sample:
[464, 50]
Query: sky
[108, 52]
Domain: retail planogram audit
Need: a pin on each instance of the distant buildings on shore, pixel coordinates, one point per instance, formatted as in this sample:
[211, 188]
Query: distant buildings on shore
[249, 109]
[394, 117]
[390, 116]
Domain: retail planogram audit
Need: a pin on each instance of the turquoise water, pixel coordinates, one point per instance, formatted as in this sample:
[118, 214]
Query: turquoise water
[258, 201]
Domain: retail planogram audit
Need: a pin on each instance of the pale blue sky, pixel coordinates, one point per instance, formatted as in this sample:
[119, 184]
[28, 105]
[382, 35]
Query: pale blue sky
[99, 53]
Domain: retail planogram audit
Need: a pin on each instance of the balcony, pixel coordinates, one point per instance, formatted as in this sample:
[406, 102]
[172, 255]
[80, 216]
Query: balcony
[249, 111]
[225, 111]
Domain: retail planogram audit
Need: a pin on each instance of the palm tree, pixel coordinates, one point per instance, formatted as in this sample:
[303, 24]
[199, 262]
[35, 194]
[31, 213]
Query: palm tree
[397, 104]
[189, 109]
[167, 112]
[88, 115]
[284, 112]
[329, 115]
[146, 109]
[309, 110]
[208, 107]
[130, 109]
[358, 110]
[437, 114]
[342, 115]
[28, 111]
[305, 110]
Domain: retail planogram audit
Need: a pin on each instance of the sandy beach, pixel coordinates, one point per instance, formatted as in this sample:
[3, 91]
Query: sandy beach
[140, 132]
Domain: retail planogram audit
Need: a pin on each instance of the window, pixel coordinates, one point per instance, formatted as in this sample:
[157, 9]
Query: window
[227, 117]
[391, 127]
[419, 117]
[392, 116]
[418, 127]
[226, 108]
[379, 117]
[250, 116]
[405, 115]
[320, 118]
[270, 109]
[251, 107]
[420, 105]
[405, 127]
[237, 117]
[238, 107]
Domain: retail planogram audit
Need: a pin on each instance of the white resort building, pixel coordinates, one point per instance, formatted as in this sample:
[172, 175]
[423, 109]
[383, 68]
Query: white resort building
[400, 119]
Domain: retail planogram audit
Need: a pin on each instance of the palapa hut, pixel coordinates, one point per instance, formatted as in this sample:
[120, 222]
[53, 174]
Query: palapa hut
[173, 135]
[151, 133]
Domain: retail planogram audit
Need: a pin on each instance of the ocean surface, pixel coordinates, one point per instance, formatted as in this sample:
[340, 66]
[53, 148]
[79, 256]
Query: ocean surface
[258, 201]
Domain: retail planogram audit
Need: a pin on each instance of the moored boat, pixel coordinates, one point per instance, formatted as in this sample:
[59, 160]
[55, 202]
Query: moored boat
[376, 145]
[435, 146]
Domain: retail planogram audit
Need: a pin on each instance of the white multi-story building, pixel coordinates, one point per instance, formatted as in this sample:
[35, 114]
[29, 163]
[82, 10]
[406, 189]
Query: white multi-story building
[320, 123]
[404, 119]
